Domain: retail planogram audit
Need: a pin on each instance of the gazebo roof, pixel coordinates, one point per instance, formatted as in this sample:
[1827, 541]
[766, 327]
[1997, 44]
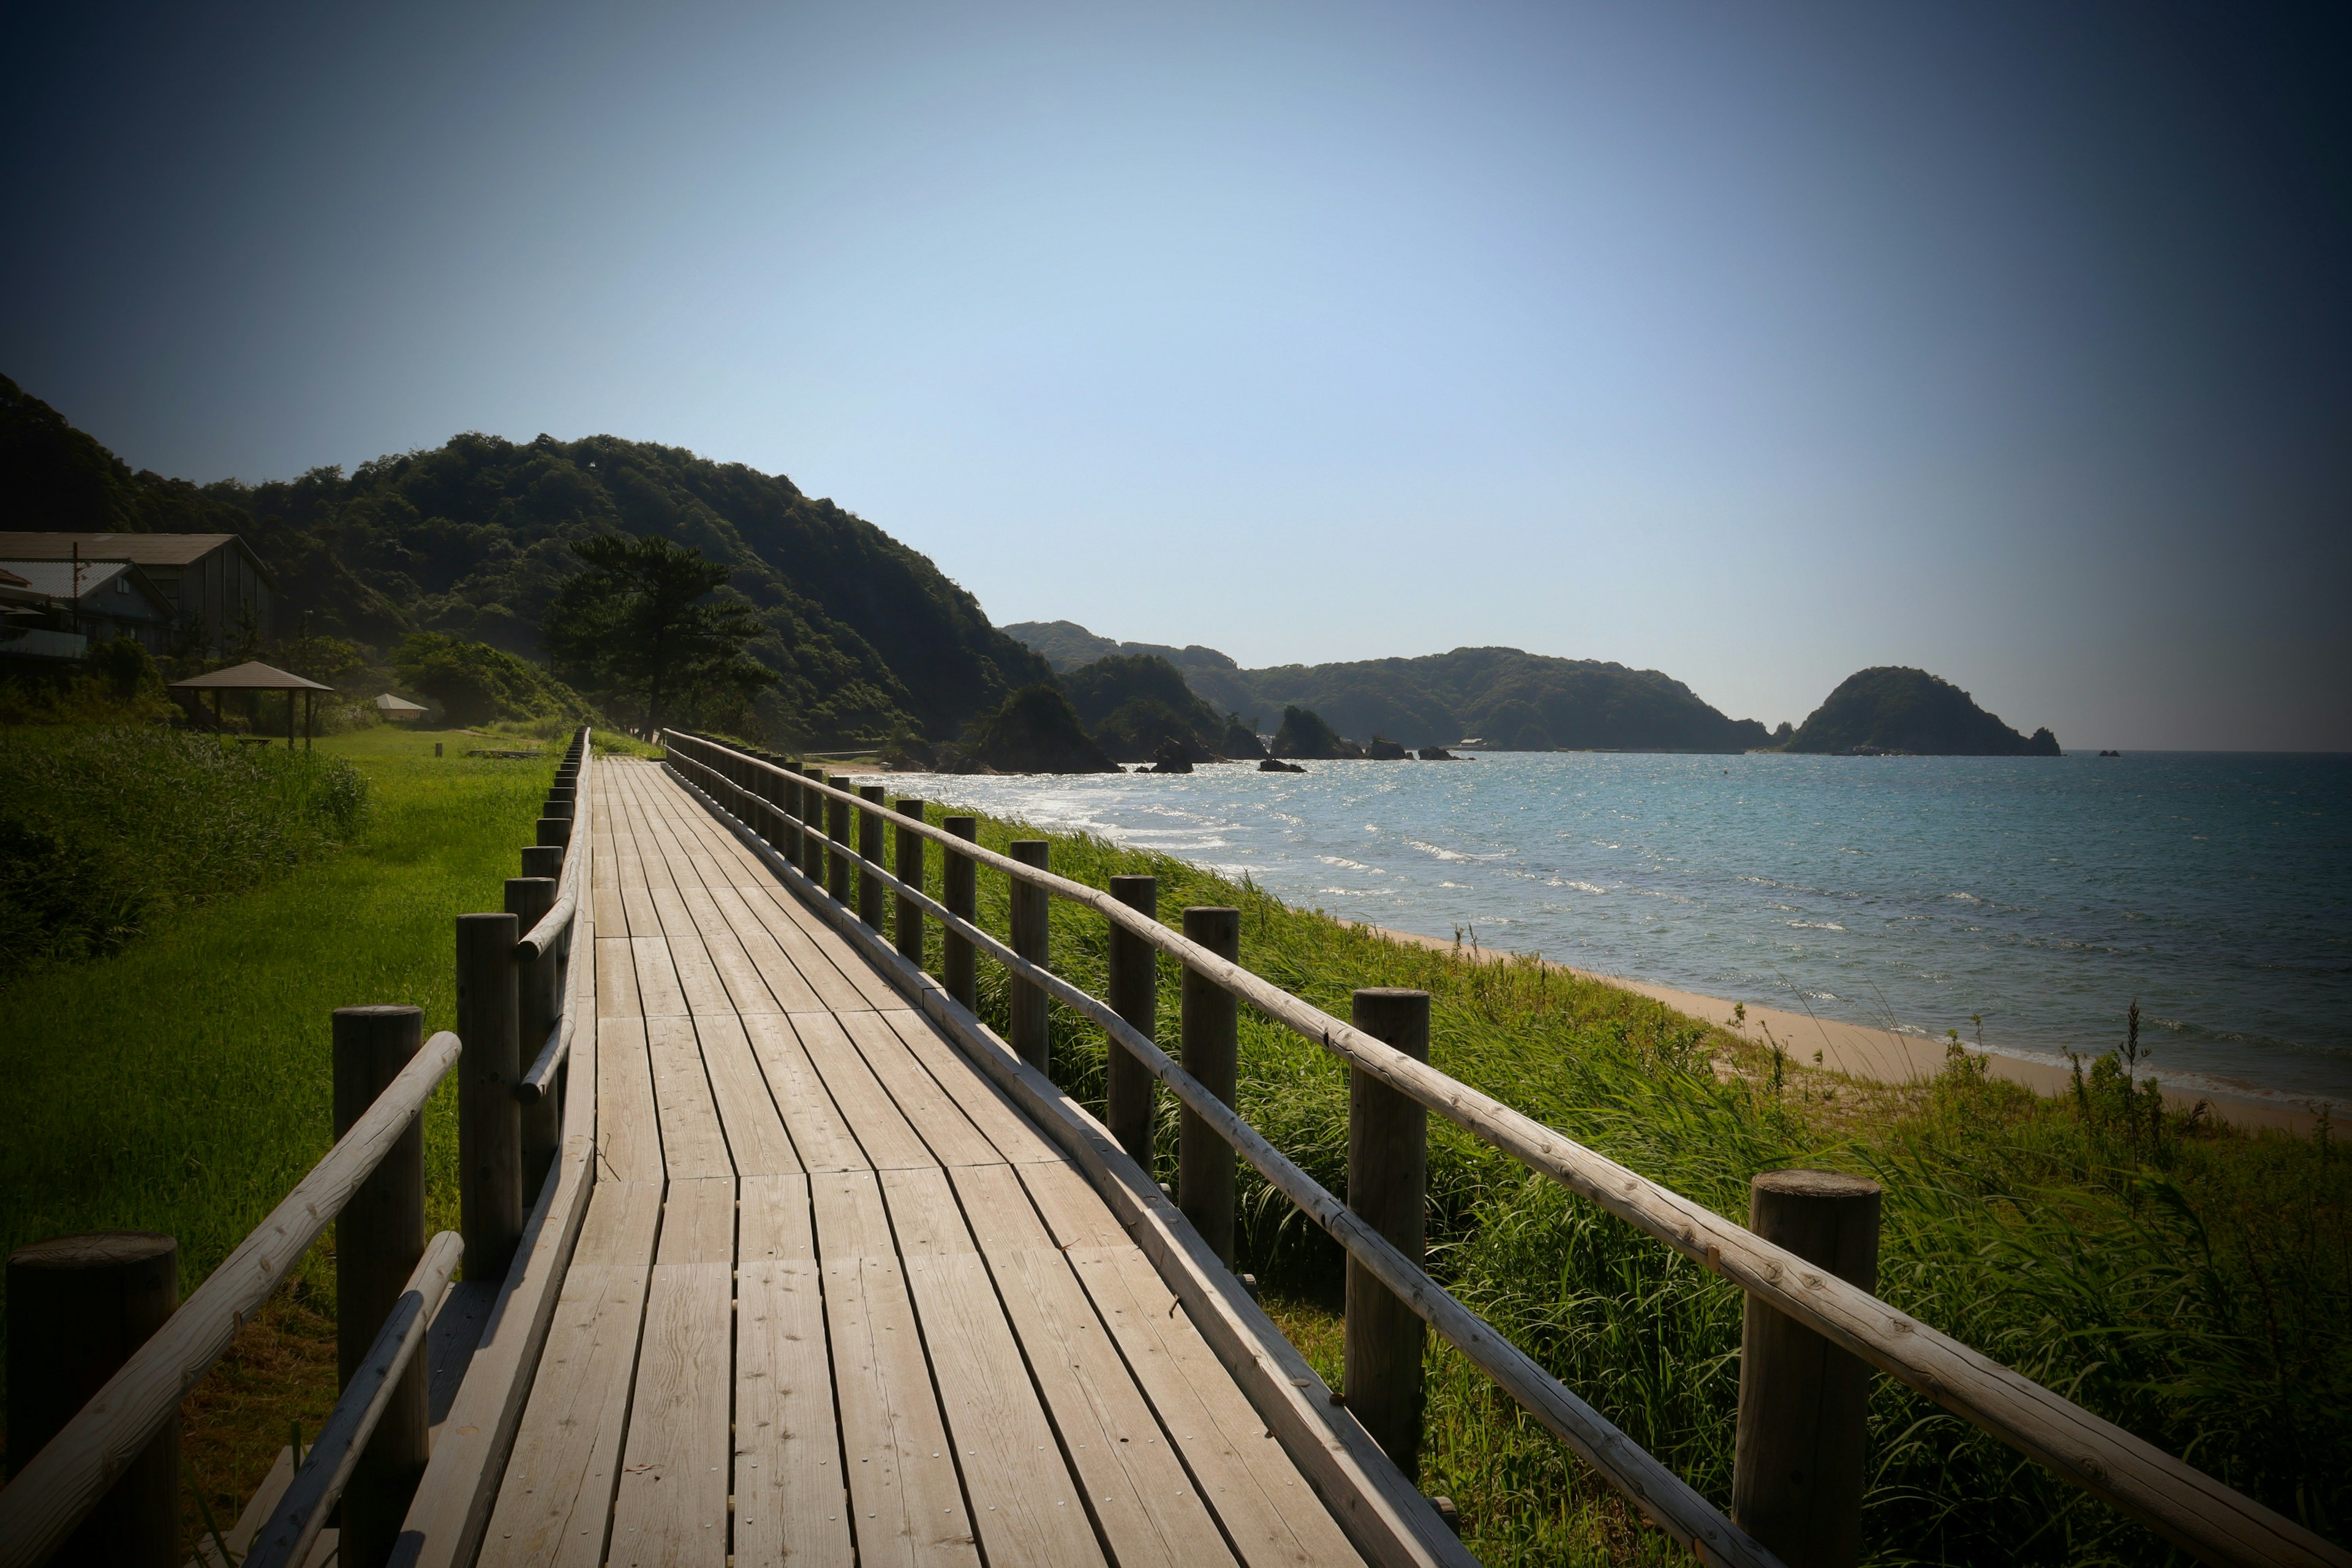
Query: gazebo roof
[388, 703]
[251, 675]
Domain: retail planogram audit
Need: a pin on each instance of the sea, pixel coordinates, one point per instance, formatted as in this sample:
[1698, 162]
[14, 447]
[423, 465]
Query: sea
[2026, 902]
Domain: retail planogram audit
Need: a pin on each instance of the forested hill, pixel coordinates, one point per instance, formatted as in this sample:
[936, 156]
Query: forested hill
[469, 539]
[1511, 700]
[1895, 710]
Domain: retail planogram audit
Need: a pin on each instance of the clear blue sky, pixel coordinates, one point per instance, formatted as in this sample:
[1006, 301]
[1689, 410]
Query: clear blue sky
[1752, 342]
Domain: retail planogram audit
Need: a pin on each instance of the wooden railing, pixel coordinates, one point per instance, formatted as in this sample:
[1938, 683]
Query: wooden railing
[390, 1278]
[804, 820]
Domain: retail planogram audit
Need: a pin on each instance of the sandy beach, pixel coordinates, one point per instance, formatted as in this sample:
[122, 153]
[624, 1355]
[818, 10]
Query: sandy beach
[1887, 1056]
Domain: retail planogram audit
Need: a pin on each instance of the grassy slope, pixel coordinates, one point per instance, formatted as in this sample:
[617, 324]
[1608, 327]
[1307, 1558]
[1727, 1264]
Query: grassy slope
[183, 1085]
[2197, 1288]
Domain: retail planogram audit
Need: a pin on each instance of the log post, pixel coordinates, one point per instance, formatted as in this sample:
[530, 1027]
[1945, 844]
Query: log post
[78, 1307]
[489, 1122]
[379, 1240]
[910, 870]
[1133, 993]
[1387, 1166]
[813, 811]
[1798, 1469]
[538, 1004]
[555, 831]
[838, 852]
[869, 856]
[960, 891]
[1031, 939]
[788, 802]
[1211, 1025]
[542, 860]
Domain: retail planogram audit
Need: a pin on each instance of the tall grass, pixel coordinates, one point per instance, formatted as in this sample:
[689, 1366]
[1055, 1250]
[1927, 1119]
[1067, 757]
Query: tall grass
[184, 1084]
[2193, 1284]
[105, 831]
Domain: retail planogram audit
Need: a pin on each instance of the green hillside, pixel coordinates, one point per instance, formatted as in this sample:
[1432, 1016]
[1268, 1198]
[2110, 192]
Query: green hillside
[1511, 700]
[469, 540]
[1892, 708]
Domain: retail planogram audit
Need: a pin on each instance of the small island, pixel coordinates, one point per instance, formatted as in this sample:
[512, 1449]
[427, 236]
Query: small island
[1895, 712]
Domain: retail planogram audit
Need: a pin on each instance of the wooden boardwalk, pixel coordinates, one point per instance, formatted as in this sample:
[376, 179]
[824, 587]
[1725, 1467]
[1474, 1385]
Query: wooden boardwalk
[835, 1299]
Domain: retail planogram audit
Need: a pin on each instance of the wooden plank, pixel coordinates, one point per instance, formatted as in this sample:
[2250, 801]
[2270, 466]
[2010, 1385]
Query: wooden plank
[776, 971]
[557, 1494]
[617, 979]
[658, 992]
[890, 1142]
[1271, 1514]
[821, 1139]
[835, 949]
[1143, 1501]
[637, 902]
[737, 972]
[1016, 1138]
[944, 1128]
[756, 1138]
[628, 1137]
[671, 1507]
[694, 1148]
[792, 1504]
[905, 1500]
[612, 915]
[1025, 1503]
[834, 991]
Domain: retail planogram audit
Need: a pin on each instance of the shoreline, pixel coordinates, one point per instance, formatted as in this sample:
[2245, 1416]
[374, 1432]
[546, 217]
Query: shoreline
[1887, 1056]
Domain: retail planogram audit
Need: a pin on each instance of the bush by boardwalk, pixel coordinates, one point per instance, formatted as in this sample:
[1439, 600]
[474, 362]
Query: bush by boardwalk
[104, 830]
[2194, 1286]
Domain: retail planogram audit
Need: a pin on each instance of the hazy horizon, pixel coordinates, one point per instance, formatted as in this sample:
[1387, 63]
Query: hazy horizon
[1756, 347]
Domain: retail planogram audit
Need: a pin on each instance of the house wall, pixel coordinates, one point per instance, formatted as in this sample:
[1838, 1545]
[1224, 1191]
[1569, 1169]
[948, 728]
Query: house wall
[218, 586]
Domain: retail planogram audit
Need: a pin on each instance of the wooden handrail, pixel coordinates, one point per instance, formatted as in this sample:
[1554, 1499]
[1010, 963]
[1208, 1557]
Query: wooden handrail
[556, 924]
[65, 1480]
[326, 1469]
[2178, 1501]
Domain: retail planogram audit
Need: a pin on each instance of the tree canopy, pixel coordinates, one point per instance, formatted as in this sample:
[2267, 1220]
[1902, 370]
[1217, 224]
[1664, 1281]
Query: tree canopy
[651, 630]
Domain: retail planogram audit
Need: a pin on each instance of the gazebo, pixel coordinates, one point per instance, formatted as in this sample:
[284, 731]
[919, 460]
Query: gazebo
[254, 676]
[393, 707]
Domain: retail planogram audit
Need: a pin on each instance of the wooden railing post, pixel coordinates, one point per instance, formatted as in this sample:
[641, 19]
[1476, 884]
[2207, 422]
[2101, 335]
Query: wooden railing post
[1133, 993]
[489, 1122]
[910, 870]
[788, 804]
[78, 1307]
[543, 860]
[1388, 1167]
[379, 1238]
[1798, 1467]
[554, 831]
[870, 854]
[538, 1006]
[1032, 940]
[812, 816]
[1211, 1024]
[960, 891]
[838, 853]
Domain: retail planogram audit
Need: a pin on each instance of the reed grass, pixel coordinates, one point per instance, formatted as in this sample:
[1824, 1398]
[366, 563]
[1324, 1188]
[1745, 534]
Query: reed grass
[2191, 1283]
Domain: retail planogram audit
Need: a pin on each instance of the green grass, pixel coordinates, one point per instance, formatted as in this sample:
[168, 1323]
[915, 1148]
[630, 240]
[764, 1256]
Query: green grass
[184, 1084]
[2193, 1285]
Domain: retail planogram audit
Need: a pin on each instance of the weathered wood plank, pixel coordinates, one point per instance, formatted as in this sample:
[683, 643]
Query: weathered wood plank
[1016, 1138]
[890, 1142]
[658, 992]
[557, 1494]
[628, 1134]
[671, 1507]
[617, 979]
[693, 1146]
[904, 1499]
[1144, 1504]
[1025, 1504]
[834, 991]
[821, 1139]
[944, 1128]
[756, 1136]
[792, 1504]
[836, 951]
[776, 971]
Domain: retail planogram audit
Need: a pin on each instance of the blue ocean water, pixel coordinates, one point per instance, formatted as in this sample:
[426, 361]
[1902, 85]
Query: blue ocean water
[2044, 894]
